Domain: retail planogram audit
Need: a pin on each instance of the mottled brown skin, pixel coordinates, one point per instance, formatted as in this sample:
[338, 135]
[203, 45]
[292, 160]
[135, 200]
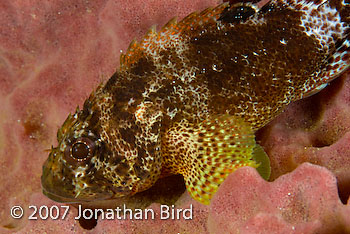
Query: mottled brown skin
[228, 60]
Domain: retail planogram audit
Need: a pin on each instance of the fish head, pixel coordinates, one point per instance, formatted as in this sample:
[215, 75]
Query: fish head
[70, 173]
[99, 157]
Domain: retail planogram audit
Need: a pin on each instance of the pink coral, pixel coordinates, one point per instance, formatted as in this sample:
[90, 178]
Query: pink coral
[54, 54]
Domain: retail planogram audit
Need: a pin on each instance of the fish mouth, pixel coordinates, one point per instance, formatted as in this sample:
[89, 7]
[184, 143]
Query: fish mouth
[58, 198]
[69, 198]
[57, 192]
[63, 191]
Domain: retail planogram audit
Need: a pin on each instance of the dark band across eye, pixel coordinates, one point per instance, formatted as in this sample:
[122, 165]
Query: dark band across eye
[82, 149]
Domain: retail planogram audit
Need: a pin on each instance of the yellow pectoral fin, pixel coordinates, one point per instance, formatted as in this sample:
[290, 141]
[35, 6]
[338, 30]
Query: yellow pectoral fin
[206, 153]
[260, 156]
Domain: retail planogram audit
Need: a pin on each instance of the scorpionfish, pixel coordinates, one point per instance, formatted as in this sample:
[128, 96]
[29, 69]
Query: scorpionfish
[189, 98]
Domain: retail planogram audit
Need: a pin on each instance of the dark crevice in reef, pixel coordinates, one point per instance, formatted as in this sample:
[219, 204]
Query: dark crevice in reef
[165, 191]
[320, 143]
[88, 224]
[344, 191]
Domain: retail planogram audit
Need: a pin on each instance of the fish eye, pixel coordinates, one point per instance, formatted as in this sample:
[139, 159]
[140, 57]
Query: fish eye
[81, 150]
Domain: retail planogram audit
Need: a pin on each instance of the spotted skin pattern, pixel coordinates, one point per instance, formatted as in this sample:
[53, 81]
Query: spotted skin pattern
[188, 99]
[209, 151]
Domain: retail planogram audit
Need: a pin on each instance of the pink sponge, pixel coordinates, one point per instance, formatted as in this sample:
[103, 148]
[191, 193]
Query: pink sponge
[304, 201]
[53, 55]
[313, 130]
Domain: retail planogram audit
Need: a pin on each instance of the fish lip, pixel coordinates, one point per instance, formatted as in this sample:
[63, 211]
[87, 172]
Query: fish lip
[73, 200]
[69, 199]
[58, 198]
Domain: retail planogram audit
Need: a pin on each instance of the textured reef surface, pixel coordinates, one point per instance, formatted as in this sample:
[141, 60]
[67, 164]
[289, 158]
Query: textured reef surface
[53, 54]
